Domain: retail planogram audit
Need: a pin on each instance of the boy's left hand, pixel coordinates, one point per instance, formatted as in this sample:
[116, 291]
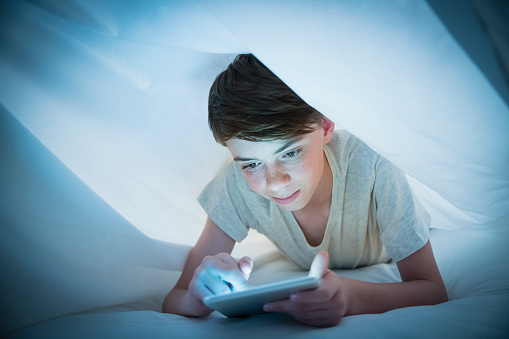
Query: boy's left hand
[322, 307]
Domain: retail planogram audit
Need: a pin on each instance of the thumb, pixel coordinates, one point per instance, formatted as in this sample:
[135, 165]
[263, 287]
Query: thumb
[246, 266]
[320, 265]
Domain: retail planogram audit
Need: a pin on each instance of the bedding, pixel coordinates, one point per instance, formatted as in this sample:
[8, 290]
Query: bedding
[477, 284]
[104, 147]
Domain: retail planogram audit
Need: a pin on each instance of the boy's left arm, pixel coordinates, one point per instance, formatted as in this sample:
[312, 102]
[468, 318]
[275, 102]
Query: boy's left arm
[337, 297]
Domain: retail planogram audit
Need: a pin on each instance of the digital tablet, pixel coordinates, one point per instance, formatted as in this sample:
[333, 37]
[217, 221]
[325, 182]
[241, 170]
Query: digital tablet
[250, 302]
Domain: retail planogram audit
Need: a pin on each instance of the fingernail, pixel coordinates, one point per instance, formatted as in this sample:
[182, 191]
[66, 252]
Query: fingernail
[246, 269]
[294, 297]
[267, 308]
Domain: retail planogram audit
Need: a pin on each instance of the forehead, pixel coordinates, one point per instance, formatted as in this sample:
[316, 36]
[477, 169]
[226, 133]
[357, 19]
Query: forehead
[245, 145]
[243, 150]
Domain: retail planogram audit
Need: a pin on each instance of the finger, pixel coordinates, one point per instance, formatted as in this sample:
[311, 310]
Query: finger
[324, 292]
[314, 296]
[200, 291]
[288, 306]
[246, 266]
[226, 267]
[320, 318]
[318, 314]
[220, 263]
[197, 287]
[227, 259]
[231, 277]
[314, 315]
[320, 265]
[214, 283]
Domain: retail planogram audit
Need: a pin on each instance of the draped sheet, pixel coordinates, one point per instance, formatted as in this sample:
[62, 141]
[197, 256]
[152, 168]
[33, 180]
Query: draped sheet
[105, 143]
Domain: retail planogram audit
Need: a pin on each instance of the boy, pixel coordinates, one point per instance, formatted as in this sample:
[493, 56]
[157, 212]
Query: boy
[316, 193]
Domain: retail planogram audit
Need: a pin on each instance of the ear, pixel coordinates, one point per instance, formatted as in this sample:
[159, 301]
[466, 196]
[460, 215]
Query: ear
[328, 129]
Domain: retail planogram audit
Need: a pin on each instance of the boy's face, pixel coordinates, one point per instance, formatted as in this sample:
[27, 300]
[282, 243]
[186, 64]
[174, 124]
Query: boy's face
[286, 172]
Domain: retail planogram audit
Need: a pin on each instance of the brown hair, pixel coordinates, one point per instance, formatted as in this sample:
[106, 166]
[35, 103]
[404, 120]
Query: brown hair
[247, 101]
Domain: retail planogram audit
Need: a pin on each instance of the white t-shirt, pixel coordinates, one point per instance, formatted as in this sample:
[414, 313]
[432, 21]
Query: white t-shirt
[374, 215]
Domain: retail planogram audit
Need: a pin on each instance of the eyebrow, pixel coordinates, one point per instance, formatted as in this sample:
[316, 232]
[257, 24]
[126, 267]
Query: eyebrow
[280, 149]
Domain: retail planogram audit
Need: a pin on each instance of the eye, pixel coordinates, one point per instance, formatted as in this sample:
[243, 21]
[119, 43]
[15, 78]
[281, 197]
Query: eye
[293, 153]
[251, 166]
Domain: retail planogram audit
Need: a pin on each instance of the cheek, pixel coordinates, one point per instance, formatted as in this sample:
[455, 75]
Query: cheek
[255, 181]
[308, 165]
[312, 167]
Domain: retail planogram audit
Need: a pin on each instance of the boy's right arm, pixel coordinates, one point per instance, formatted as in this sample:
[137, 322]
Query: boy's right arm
[209, 259]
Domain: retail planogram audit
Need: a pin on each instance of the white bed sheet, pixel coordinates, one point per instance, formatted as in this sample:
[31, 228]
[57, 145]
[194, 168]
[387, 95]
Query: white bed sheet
[477, 284]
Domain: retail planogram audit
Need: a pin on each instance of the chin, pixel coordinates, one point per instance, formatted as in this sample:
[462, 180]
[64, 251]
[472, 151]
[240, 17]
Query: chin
[293, 207]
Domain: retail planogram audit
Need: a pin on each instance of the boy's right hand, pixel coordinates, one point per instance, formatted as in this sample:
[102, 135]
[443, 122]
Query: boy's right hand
[211, 278]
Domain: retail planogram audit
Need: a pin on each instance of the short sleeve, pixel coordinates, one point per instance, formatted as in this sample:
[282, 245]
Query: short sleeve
[224, 204]
[402, 220]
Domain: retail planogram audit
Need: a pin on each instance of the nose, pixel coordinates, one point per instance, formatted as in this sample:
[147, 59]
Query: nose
[276, 178]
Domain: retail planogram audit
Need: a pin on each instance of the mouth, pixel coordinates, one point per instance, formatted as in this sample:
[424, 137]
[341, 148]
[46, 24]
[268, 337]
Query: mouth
[288, 199]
